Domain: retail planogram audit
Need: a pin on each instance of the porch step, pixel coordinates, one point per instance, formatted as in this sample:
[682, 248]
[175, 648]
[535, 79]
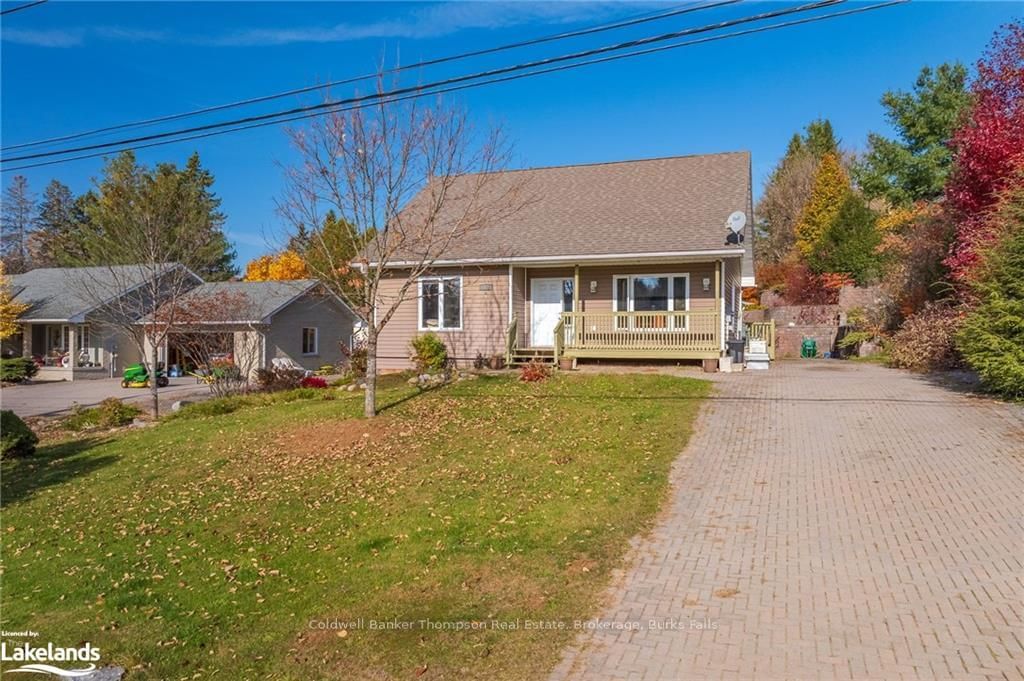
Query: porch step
[526, 355]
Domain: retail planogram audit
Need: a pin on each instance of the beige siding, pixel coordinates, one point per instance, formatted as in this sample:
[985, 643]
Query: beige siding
[333, 321]
[484, 317]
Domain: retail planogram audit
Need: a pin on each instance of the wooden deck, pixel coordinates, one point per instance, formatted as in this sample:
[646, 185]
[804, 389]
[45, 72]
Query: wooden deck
[639, 335]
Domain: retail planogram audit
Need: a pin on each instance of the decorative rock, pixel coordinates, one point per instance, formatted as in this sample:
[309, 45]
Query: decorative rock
[351, 387]
[176, 406]
[139, 423]
[362, 386]
[413, 381]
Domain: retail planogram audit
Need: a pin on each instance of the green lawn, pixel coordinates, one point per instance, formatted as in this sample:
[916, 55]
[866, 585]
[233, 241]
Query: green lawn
[204, 547]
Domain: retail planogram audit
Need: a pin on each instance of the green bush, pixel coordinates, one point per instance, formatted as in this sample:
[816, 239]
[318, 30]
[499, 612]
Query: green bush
[111, 413]
[17, 369]
[16, 438]
[428, 352]
[992, 336]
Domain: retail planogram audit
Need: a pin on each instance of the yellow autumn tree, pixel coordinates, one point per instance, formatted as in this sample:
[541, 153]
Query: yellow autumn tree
[831, 188]
[285, 266]
[10, 309]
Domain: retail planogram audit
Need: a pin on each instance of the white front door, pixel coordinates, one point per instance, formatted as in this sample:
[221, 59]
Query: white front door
[546, 306]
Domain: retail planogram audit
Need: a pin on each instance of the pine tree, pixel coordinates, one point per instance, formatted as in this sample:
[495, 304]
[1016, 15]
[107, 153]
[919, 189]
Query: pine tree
[61, 215]
[849, 244]
[914, 166]
[992, 336]
[830, 190]
[16, 224]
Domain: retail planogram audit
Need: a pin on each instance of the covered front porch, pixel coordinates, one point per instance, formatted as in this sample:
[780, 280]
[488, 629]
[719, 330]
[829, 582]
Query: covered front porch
[679, 310]
[66, 351]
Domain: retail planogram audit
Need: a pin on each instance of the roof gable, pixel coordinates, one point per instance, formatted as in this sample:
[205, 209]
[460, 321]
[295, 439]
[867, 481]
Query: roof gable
[655, 206]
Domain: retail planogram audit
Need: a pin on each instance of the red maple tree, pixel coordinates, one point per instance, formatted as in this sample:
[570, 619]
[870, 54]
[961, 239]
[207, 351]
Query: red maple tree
[988, 148]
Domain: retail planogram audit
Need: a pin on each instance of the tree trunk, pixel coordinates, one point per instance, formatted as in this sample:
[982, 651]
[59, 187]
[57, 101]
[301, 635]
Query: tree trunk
[370, 398]
[153, 387]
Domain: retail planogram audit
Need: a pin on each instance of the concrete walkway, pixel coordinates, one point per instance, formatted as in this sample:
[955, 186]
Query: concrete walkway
[829, 521]
[51, 398]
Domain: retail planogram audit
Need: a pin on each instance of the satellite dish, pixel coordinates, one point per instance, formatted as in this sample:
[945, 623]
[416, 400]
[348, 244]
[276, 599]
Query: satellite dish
[736, 221]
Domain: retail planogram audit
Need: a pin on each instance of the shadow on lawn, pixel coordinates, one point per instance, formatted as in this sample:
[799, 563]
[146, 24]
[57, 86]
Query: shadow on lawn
[50, 465]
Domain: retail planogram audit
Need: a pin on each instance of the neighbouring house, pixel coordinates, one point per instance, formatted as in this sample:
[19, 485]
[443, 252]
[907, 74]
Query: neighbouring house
[255, 322]
[620, 260]
[63, 328]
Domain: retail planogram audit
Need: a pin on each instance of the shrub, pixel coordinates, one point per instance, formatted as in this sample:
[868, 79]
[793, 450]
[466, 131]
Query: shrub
[534, 371]
[992, 336]
[111, 413]
[16, 438]
[925, 342]
[428, 353]
[355, 359]
[17, 369]
[313, 382]
[273, 379]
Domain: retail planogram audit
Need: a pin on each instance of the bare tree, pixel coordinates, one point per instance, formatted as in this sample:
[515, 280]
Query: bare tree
[145, 219]
[407, 181]
[218, 331]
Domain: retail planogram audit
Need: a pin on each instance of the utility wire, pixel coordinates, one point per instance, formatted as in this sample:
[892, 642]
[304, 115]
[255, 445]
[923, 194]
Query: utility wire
[563, 67]
[448, 81]
[21, 7]
[629, 21]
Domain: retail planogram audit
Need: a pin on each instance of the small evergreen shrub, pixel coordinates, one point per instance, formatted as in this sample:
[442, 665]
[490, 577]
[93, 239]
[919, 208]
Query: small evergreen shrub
[428, 353]
[926, 341]
[16, 438]
[17, 369]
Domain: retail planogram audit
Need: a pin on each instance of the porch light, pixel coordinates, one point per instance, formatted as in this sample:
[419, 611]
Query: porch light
[593, 287]
[706, 283]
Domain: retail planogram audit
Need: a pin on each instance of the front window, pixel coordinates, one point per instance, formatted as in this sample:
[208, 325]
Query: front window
[309, 340]
[651, 293]
[440, 303]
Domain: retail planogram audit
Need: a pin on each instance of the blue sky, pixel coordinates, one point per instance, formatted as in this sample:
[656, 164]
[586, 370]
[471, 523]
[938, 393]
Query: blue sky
[70, 66]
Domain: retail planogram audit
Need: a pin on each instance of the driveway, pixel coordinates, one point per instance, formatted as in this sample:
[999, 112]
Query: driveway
[828, 521]
[44, 399]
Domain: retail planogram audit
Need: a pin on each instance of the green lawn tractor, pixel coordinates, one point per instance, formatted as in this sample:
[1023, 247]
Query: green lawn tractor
[136, 376]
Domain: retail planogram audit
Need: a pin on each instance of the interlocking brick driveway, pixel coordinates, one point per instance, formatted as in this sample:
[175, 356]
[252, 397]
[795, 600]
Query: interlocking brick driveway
[829, 520]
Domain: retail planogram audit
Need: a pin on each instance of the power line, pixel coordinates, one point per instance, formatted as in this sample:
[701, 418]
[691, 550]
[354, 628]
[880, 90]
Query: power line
[466, 86]
[629, 21]
[448, 81]
[21, 7]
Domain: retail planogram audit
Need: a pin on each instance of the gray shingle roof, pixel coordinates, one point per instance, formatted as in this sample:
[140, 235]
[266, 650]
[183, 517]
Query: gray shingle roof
[628, 207]
[69, 293]
[256, 299]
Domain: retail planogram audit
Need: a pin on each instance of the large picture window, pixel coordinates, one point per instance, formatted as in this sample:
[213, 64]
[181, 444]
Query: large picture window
[652, 293]
[440, 303]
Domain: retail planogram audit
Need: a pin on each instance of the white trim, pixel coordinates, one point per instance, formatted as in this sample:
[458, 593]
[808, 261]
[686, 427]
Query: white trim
[721, 311]
[440, 302]
[316, 341]
[671, 276]
[748, 281]
[538, 259]
[509, 295]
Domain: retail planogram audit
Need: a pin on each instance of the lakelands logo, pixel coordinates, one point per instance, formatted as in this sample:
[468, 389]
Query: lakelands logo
[38, 657]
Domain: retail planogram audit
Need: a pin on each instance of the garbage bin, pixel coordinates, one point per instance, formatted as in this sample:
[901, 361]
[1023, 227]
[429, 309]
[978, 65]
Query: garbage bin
[809, 348]
[736, 350]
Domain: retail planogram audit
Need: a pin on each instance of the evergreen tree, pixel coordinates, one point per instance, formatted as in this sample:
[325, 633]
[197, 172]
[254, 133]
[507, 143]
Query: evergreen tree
[221, 255]
[914, 166]
[61, 216]
[830, 190]
[992, 336]
[849, 244]
[789, 188]
[16, 224]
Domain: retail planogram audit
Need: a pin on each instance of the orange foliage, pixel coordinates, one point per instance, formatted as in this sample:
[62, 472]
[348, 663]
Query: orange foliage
[286, 266]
